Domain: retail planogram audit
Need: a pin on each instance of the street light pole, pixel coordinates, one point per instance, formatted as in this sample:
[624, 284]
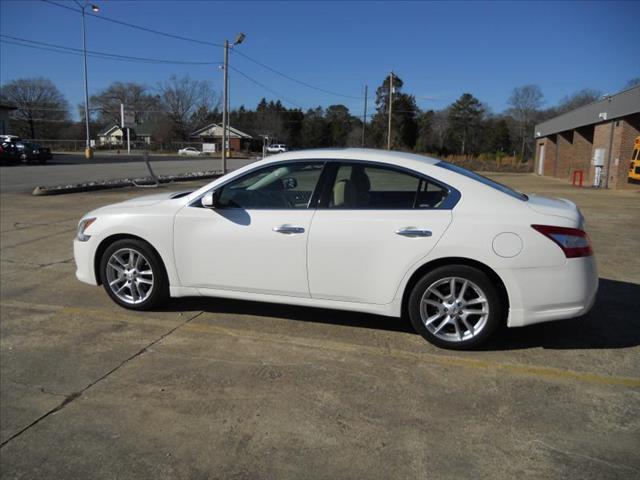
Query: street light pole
[88, 153]
[225, 98]
[390, 110]
[225, 86]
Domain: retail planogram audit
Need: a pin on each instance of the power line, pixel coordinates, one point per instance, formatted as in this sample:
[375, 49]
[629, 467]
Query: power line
[256, 82]
[137, 27]
[105, 55]
[289, 77]
[203, 42]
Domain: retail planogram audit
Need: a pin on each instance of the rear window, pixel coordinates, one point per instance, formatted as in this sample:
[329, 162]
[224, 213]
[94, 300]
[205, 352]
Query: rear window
[484, 180]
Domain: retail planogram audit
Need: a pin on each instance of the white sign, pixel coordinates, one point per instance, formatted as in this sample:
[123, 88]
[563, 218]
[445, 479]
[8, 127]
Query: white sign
[209, 147]
[598, 157]
[127, 117]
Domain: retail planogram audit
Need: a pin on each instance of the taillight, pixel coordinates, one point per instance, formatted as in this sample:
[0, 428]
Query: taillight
[573, 241]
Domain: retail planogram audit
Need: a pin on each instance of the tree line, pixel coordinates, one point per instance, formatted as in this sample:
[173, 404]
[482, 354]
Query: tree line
[176, 107]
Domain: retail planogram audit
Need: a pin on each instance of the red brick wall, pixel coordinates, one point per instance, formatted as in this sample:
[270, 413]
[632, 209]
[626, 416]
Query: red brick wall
[624, 134]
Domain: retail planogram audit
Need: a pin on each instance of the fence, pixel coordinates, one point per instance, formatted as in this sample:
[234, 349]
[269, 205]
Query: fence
[61, 146]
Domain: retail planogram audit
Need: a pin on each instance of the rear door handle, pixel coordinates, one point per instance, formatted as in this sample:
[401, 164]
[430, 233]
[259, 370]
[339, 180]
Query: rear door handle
[288, 229]
[413, 232]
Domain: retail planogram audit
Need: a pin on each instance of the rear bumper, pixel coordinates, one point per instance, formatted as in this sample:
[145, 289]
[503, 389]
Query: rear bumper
[83, 254]
[539, 295]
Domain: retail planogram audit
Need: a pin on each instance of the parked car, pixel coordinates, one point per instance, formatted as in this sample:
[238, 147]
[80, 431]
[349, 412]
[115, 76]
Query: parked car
[191, 152]
[33, 152]
[364, 230]
[277, 148]
[9, 151]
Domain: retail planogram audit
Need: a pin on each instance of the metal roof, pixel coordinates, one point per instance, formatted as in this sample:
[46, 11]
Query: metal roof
[619, 105]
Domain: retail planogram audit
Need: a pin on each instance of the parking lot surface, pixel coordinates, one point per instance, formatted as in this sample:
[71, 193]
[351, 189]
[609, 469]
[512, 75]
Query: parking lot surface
[209, 388]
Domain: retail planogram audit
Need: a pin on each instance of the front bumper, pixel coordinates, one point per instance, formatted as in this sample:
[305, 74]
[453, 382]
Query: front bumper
[83, 254]
[551, 293]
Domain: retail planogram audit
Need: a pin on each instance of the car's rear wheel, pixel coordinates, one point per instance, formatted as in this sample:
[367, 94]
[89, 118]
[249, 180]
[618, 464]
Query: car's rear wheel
[455, 307]
[133, 275]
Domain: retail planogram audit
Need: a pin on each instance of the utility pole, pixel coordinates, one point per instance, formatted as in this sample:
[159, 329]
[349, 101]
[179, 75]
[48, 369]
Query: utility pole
[224, 105]
[364, 117]
[390, 110]
[225, 98]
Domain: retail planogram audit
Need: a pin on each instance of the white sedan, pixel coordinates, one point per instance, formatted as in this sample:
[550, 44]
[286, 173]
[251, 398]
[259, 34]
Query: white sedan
[363, 230]
[191, 152]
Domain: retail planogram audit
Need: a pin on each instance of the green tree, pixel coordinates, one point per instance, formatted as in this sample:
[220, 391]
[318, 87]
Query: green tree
[465, 123]
[497, 136]
[404, 125]
[315, 129]
[426, 140]
[339, 122]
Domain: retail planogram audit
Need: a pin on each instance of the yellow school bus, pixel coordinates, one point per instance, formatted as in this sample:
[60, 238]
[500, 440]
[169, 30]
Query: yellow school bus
[634, 166]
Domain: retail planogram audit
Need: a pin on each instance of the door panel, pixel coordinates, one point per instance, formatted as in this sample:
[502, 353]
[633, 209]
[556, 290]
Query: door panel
[255, 240]
[236, 249]
[357, 256]
[373, 224]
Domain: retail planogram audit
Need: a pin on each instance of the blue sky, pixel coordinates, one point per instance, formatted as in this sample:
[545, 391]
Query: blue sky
[440, 50]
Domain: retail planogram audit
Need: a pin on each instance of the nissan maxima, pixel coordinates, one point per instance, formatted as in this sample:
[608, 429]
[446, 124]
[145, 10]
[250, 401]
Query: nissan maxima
[371, 231]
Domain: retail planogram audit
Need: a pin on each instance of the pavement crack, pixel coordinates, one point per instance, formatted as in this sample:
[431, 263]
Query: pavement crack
[26, 242]
[75, 395]
[38, 265]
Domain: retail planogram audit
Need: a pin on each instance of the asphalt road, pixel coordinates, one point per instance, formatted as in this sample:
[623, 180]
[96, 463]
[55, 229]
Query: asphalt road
[212, 388]
[66, 169]
[103, 157]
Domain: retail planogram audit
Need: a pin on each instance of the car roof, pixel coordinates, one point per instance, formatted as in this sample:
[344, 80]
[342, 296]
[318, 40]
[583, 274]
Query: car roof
[355, 154]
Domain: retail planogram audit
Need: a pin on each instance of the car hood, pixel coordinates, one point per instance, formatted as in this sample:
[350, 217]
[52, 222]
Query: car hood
[146, 200]
[557, 207]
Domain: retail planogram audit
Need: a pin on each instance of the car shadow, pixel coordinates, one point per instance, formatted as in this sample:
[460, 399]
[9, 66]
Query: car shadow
[613, 321]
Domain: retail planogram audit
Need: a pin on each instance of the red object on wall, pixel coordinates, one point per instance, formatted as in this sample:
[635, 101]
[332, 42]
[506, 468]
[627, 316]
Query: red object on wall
[577, 173]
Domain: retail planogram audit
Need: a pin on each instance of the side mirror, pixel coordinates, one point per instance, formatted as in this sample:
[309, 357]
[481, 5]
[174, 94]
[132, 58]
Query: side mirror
[210, 200]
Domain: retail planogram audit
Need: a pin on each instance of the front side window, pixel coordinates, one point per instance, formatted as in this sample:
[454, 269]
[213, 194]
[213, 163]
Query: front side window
[363, 186]
[280, 186]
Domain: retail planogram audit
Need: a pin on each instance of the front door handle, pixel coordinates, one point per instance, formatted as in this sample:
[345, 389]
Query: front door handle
[413, 232]
[288, 229]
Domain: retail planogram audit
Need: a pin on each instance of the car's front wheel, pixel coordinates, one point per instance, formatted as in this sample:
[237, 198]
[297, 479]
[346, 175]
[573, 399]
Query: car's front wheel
[455, 307]
[133, 275]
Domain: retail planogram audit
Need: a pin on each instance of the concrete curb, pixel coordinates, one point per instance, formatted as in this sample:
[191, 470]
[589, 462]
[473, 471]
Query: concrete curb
[122, 182]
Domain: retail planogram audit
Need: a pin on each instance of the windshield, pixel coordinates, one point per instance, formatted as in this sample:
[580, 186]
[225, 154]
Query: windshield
[484, 180]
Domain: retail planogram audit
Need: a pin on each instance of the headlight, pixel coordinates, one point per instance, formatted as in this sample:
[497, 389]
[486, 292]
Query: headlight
[82, 226]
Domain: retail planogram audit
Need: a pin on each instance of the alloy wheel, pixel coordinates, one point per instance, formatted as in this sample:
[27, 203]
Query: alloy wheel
[130, 276]
[454, 309]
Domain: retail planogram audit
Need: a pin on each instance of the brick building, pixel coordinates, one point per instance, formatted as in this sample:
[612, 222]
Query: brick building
[600, 133]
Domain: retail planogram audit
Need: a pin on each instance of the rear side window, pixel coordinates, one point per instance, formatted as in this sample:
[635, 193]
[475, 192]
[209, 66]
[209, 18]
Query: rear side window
[363, 186]
[484, 180]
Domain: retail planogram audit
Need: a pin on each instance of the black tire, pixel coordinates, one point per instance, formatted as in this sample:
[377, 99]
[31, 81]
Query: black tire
[160, 290]
[480, 281]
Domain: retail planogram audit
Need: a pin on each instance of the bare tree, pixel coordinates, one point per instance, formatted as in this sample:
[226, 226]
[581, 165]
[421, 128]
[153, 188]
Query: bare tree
[134, 96]
[181, 98]
[578, 99]
[525, 102]
[40, 105]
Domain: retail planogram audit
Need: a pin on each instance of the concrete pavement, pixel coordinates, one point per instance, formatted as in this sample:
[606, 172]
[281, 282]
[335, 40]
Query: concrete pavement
[208, 388]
